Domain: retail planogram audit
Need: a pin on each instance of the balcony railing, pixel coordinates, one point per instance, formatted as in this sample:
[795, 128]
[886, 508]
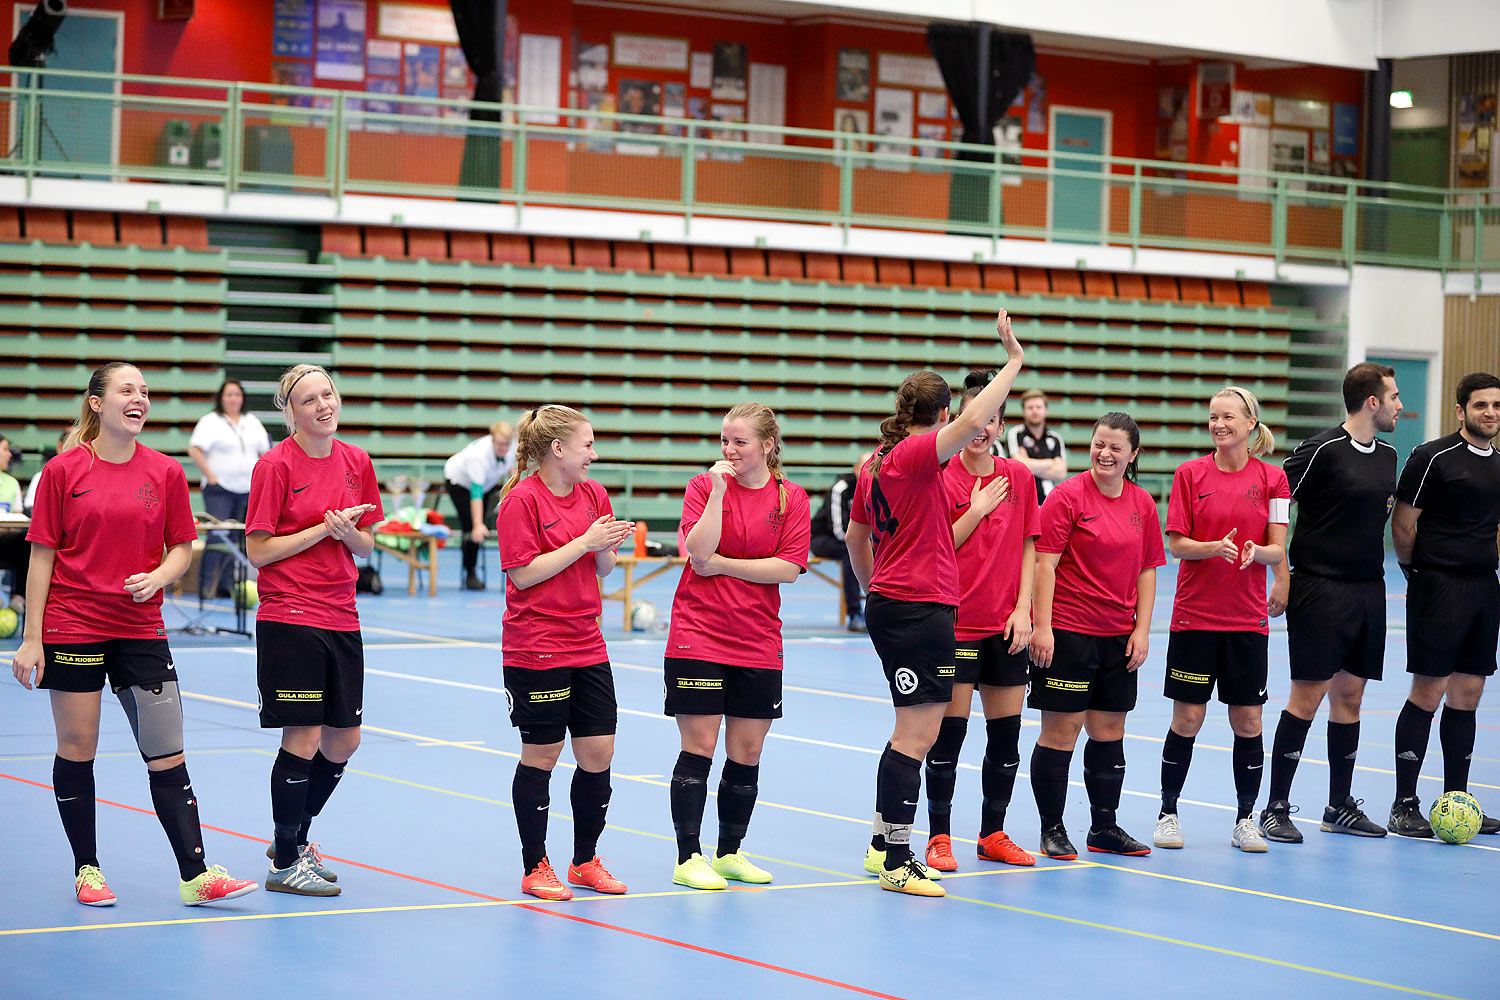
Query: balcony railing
[266, 137]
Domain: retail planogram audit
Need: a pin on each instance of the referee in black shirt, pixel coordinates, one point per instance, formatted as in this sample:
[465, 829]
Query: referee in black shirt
[1342, 481]
[1447, 515]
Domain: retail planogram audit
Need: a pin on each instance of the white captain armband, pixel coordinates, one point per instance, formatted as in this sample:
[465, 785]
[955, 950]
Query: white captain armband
[1281, 511]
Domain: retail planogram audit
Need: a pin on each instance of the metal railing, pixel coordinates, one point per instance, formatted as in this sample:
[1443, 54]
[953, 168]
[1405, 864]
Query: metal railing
[332, 144]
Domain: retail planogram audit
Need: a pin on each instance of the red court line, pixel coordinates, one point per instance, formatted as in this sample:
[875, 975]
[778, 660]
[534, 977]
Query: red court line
[524, 906]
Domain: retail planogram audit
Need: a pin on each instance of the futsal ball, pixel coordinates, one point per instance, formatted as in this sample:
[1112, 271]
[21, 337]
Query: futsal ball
[9, 622]
[1455, 817]
[246, 594]
[642, 616]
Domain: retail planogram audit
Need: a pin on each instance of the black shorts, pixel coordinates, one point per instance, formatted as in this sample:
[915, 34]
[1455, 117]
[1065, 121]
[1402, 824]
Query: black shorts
[1452, 623]
[990, 661]
[914, 640]
[84, 666]
[1236, 661]
[698, 687]
[547, 704]
[1334, 625]
[309, 676]
[1087, 673]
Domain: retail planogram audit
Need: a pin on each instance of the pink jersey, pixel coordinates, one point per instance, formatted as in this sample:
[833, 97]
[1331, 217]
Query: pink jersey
[907, 511]
[989, 561]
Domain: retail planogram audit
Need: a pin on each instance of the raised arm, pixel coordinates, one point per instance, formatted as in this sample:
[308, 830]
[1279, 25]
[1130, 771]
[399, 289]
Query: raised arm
[952, 436]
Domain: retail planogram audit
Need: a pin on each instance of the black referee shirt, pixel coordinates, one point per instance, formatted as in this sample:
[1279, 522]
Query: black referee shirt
[1048, 445]
[1343, 491]
[1457, 488]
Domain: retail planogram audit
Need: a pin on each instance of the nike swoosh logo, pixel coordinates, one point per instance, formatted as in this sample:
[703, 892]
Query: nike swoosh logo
[542, 808]
[1262, 693]
[299, 489]
[295, 781]
[1119, 767]
[777, 705]
[77, 493]
[904, 802]
[1253, 767]
[73, 798]
[546, 526]
[940, 763]
[961, 506]
[359, 711]
[1208, 494]
[1091, 517]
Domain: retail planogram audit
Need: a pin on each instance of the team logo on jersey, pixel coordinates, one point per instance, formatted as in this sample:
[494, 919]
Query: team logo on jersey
[774, 521]
[1256, 495]
[1138, 522]
[591, 513]
[1390, 504]
[351, 484]
[905, 680]
[148, 496]
[510, 703]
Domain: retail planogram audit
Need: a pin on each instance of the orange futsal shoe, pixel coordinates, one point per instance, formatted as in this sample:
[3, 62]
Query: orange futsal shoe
[91, 888]
[940, 853]
[998, 847]
[593, 875]
[542, 883]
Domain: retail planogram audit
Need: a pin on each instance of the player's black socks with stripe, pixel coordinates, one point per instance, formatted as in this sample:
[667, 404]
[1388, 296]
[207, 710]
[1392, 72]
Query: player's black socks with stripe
[899, 784]
[289, 781]
[322, 778]
[1413, 727]
[1103, 776]
[1286, 753]
[877, 832]
[942, 773]
[1176, 758]
[73, 786]
[1456, 733]
[1002, 759]
[689, 793]
[1249, 759]
[589, 796]
[530, 793]
[738, 786]
[1049, 782]
[177, 809]
[1343, 748]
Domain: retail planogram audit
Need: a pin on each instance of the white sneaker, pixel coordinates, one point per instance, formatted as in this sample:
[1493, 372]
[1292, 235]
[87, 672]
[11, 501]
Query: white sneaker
[1247, 836]
[1168, 832]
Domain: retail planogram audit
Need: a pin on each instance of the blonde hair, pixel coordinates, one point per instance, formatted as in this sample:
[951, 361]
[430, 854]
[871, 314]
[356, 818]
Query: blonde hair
[919, 399]
[289, 380]
[762, 420]
[503, 429]
[86, 427]
[534, 436]
[1262, 441]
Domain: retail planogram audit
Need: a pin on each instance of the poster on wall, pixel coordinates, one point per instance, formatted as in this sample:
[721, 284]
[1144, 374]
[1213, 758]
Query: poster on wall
[1036, 107]
[1255, 155]
[382, 57]
[455, 67]
[341, 40]
[853, 82]
[1300, 113]
[539, 76]
[421, 66]
[416, 22]
[1322, 151]
[767, 100]
[1172, 124]
[894, 118]
[674, 104]
[855, 121]
[592, 67]
[640, 97]
[928, 155]
[931, 104]
[1346, 130]
[1476, 127]
[909, 71]
[731, 69]
[1289, 153]
[726, 113]
[1009, 133]
[1215, 89]
[375, 106]
[599, 101]
[292, 29]
[1251, 108]
[291, 74]
[701, 75]
[651, 52]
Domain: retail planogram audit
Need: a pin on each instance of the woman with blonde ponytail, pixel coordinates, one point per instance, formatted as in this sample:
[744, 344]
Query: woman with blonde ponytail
[901, 547]
[747, 531]
[1226, 521]
[558, 536]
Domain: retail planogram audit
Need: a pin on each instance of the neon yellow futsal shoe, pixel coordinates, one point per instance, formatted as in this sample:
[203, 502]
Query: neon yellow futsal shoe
[697, 873]
[875, 864]
[738, 867]
[911, 879]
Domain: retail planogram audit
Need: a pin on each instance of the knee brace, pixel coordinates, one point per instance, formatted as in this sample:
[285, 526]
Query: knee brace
[155, 716]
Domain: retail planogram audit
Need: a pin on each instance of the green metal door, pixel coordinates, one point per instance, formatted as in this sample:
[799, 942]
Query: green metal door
[1078, 142]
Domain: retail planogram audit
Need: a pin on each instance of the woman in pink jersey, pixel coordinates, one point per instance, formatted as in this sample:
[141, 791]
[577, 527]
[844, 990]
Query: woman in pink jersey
[901, 546]
[995, 525]
[1227, 522]
[112, 529]
[1095, 587]
[313, 500]
[558, 536]
[747, 532]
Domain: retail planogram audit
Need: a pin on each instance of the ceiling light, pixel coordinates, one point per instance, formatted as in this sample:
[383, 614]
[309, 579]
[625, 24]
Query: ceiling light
[1400, 98]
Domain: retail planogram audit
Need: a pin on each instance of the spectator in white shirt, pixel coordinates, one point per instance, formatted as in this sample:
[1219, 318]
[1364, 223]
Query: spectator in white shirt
[225, 446]
[474, 476]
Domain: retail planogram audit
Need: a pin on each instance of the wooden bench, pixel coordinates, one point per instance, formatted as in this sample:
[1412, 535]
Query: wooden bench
[658, 565]
[421, 554]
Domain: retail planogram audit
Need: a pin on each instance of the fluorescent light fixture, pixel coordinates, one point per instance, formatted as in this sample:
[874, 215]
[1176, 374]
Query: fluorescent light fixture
[1400, 98]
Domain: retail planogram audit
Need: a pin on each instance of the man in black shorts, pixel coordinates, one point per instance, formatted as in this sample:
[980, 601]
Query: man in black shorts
[1447, 515]
[1342, 481]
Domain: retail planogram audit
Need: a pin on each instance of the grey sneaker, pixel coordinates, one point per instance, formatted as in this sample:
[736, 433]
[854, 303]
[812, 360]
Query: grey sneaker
[1247, 836]
[1276, 823]
[300, 880]
[1348, 817]
[1168, 832]
[310, 850]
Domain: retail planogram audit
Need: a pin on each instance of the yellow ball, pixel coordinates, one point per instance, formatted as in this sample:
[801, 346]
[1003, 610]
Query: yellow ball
[246, 594]
[9, 622]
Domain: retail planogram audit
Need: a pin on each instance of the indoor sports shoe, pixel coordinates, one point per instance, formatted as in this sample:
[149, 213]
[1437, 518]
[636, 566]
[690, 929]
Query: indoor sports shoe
[214, 884]
[1407, 819]
[911, 878]
[875, 864]
[1489, 824]
[1168, 832]
[1276, 823]
[91, 888]
[998, 847]
[593, 875]
[1247, 837]
[940, 853]
[739, 868]
[323, 871]
[542, 883]
[300, 880]
[697, 873]
[1113, 840]
[1349, 818]
[1056, 845]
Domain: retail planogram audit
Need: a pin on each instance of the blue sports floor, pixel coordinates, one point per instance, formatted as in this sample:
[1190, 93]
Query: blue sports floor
[424, 840]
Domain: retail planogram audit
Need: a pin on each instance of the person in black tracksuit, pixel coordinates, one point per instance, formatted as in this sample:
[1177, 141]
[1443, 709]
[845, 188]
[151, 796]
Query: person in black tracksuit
[828, 526]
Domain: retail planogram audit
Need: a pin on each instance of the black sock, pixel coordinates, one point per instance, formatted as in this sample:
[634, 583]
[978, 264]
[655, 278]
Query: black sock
[1456, 734]
[1249, 759]
[877, 838]
[529, 791]
[1103, 776]
[689, 793]
[738, 786]
[322, 778]
[1413, 727]
[589, 795]
[942, 773]
[1343, 747]
[290, 776]
[1286, 752]
[1002, 759]
[900, 781]
[73, 786]
[1176, 758]
[1049, 782]
[177, 808]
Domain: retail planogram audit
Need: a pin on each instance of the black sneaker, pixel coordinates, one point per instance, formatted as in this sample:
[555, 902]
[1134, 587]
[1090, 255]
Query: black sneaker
[1349, 818]
[1113, 840]
[1055, 843]
[473, 582]
[1489, 824]
[1276, 823]
[1407, 819]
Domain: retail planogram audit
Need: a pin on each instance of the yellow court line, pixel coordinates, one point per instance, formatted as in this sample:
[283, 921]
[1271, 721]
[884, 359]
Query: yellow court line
[1211, 948]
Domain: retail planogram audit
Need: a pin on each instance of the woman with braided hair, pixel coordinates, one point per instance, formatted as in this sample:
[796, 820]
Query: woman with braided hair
[901, 546]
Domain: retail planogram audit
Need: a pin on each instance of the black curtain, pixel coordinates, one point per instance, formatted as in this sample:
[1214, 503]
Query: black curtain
[481, 32]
